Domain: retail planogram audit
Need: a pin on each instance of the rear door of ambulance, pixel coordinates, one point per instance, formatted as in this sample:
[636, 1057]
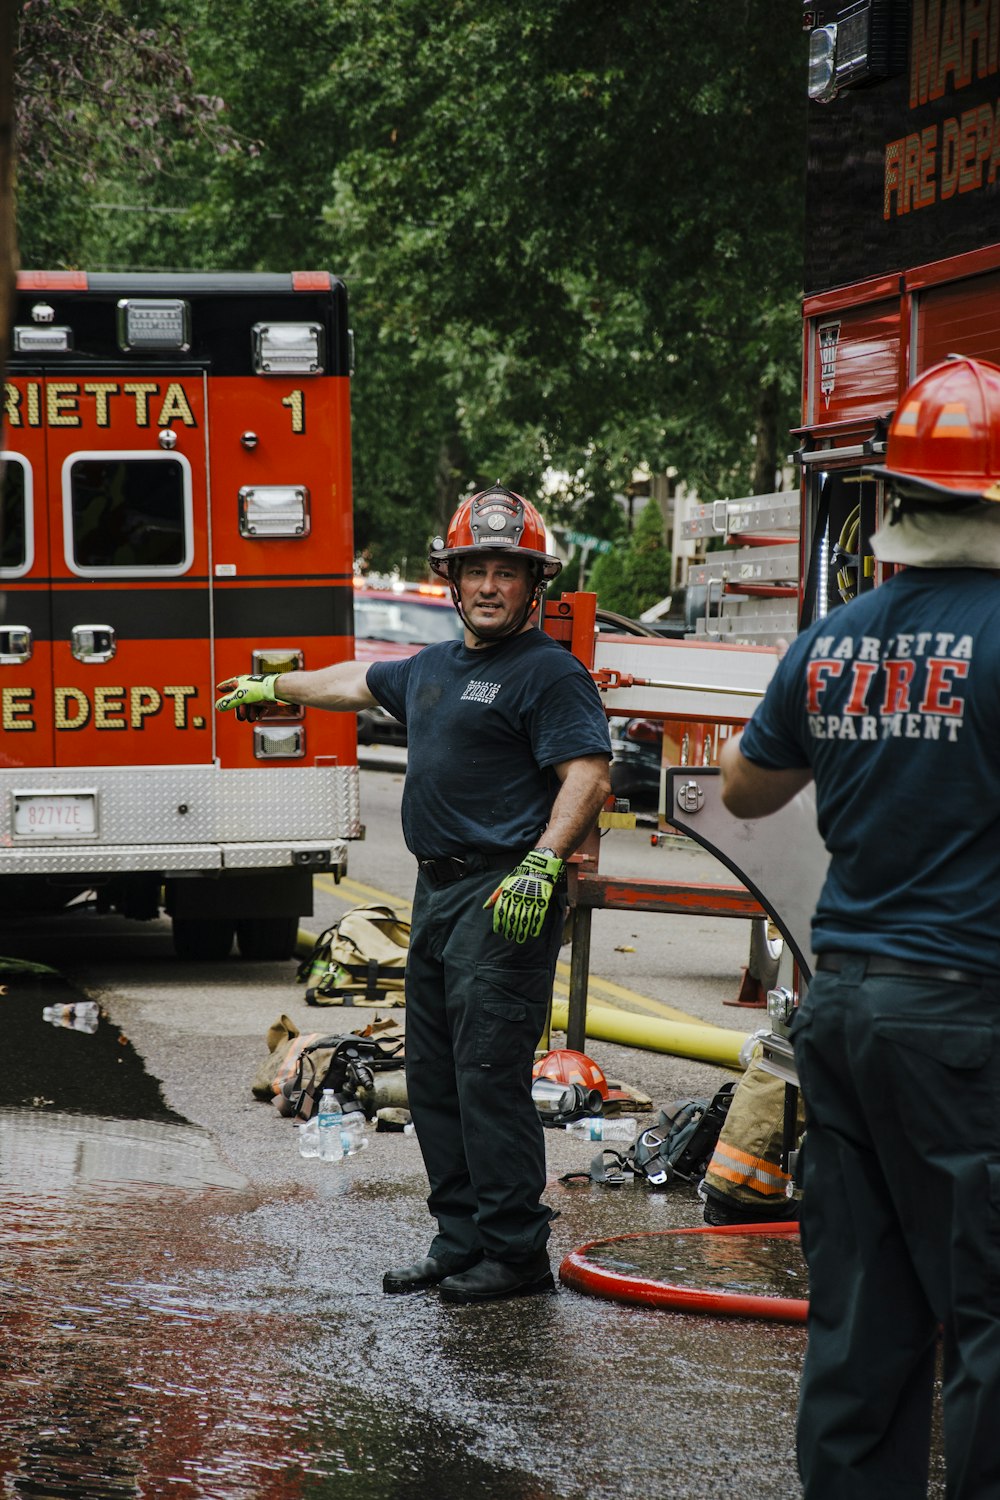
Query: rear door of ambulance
[108, 440]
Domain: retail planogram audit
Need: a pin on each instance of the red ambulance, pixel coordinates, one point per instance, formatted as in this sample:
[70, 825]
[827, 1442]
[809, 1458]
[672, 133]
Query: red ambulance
[176, 510]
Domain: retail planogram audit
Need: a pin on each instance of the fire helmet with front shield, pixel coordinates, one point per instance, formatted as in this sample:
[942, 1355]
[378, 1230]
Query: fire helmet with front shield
[495, 520]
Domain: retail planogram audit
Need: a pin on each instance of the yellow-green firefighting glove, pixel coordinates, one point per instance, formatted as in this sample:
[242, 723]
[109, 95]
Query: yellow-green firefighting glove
[520, 902]
[246, 695]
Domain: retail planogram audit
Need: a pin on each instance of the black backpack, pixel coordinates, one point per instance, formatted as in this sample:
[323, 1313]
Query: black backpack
[346, 1064]
[681, 1144]
[678, 1147]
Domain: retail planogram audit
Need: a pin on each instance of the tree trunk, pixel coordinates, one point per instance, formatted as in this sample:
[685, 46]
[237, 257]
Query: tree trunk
[765, 465]
[8, 234]
[451, 477]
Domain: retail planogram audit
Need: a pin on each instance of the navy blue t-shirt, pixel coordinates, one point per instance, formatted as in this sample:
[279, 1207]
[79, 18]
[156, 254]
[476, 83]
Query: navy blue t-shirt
[483, 730]
[894, 701]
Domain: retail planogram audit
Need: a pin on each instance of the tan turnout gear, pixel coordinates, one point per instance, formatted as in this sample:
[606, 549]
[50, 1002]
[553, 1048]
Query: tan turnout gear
[745, 1169]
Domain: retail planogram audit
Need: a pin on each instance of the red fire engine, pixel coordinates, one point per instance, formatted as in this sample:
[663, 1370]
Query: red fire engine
[902, 255]
[176, 510]
[902, 269]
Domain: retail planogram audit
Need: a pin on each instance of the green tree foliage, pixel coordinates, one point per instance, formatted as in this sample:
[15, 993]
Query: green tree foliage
[635, 575]
[105, 107]
[571, 230]
[592, 212]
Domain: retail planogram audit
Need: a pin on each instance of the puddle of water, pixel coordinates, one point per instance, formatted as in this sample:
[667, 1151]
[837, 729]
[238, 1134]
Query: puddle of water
[152, 1344]
[152, 1350]
[60, 1150]
[62, 1068]
[757, 1265]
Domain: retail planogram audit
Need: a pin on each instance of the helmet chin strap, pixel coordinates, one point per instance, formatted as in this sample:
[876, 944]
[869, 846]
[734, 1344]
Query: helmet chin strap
[513, 628]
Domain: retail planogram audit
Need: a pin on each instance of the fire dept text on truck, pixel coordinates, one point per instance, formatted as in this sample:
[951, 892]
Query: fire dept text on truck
[102, 708]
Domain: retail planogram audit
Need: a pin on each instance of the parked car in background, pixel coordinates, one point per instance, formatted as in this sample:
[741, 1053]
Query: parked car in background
[636, 744]
[397, 619]
[637, 759]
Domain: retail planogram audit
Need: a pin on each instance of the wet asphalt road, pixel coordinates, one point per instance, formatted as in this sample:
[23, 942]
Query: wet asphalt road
[190, 1308]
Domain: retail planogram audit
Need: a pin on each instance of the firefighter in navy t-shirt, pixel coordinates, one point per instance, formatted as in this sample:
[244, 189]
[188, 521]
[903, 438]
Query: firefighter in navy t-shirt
[507, 769]
[892, 705]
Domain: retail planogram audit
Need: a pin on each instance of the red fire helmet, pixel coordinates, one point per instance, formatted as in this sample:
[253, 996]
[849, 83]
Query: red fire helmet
[944, 439]
[495, 519]
[568, 1067]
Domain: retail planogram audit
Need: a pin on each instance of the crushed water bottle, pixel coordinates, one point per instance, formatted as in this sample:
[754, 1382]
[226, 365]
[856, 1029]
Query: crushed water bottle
[308, 1135]
[329, 1122]
[597, 1128]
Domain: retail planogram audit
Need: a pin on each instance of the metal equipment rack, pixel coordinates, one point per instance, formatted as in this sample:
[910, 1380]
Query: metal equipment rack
[755, 585]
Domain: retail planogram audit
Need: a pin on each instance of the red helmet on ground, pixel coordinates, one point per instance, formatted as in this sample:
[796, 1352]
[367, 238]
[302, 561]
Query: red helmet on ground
[944, 438]
[567, 1084]
[566, 1066]
[495, 519]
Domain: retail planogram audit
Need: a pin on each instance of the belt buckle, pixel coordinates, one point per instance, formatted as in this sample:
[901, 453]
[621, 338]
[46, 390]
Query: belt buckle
[443, 871]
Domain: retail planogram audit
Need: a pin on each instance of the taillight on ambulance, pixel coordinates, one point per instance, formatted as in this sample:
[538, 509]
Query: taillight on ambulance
[279, 741]
[281, 735]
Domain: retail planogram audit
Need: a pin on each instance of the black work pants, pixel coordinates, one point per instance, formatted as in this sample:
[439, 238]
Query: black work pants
[901, 1231]
[476, 1007]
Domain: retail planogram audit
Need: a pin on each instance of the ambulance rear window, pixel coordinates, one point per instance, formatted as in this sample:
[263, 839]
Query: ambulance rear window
[15, 518]
[128, 513]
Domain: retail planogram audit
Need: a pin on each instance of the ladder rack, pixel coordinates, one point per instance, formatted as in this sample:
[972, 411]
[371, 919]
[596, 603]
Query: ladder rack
[752, 588]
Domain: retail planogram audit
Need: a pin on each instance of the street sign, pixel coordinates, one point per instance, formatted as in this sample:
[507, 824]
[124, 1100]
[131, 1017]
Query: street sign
[591, 543]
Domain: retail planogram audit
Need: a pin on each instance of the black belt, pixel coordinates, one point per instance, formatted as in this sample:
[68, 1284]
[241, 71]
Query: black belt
[457, 866]
[833, 963]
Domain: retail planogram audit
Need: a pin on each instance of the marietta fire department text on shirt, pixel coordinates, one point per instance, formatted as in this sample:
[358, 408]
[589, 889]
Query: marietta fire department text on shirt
[914, 705]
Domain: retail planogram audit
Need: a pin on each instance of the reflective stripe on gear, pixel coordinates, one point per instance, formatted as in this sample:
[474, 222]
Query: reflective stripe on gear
[740, 1169]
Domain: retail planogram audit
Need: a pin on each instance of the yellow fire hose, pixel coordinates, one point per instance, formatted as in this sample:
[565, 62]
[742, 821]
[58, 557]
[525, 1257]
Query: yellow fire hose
[710, 1044]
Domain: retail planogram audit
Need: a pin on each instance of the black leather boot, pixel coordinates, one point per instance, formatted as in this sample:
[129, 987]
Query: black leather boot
[492, 1279]
[424, 1273]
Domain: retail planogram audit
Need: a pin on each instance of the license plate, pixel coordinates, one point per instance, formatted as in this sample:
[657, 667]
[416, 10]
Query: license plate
[55, 815]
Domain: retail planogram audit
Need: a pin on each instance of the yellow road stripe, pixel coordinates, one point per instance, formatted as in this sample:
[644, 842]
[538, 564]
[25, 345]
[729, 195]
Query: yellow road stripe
[352, 892]
[623, 999]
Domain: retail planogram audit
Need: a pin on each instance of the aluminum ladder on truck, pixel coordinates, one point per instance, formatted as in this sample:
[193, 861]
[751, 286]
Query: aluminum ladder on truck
[752, 587]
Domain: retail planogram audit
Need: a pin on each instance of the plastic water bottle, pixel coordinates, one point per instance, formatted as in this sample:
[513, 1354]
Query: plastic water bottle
[352, 1131]
[597, 1128]
[86, 1012]
[329, 1121]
